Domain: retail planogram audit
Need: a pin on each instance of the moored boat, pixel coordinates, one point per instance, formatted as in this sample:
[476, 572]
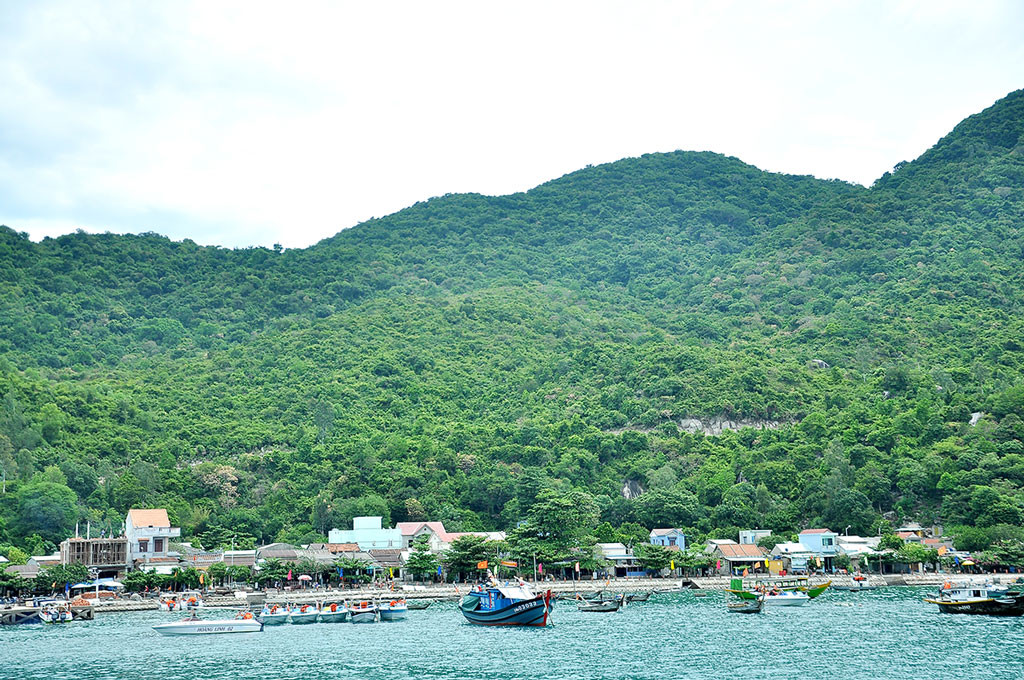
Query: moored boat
[418, 604]
[786, 598]
[193, 625]
[395, 610]
[610, 605]
[333, 613]
[979, 599]
[362, 612]
[306, 613]
[55, 612]
[508, 605]
[170, 603]
[746, 606]
[638, 597]
[274, 615]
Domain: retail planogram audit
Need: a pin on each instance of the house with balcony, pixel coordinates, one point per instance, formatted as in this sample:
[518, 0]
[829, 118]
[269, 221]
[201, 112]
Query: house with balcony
[823, 544]
[149, 533]
[669, 538]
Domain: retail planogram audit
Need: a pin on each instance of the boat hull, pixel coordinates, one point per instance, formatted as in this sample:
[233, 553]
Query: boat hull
[209, 627]
[363, 616]
[532, 612]
[787, 600]
[1008, 605]
[393, 613]
[327, 616]
[274, 619]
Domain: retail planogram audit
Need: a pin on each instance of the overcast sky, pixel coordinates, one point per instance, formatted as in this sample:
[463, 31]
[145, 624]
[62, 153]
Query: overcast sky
[258, 123]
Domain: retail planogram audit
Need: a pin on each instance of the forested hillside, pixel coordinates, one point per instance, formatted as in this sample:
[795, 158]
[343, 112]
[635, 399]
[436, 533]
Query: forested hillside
[454, 360]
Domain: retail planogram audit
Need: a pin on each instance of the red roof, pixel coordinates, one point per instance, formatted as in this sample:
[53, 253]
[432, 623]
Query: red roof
[412, 528]
[816, 531]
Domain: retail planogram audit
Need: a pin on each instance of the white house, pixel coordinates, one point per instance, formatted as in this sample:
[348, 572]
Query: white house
[796, 553]
[752, 536]
[149, 533]
[369, 533]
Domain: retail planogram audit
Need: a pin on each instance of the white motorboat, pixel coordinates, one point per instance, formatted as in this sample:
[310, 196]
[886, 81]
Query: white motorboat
[55, 612]
[306, 613]
[396, 610]
[786, 598]
[333, 613]
[362, 612]
[273, 615]
[193, 625]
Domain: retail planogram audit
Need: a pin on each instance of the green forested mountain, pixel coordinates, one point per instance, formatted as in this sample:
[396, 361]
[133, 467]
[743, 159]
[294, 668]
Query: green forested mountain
[455, 359]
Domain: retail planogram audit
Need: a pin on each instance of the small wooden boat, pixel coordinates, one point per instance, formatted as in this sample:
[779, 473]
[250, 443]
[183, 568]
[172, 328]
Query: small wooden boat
[395, 610]
[611, 605]
[638, 597]
[746, 606]
[193, 625]
[419, 604]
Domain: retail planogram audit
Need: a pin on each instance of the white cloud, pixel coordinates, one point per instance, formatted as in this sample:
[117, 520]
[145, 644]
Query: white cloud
[246, 123]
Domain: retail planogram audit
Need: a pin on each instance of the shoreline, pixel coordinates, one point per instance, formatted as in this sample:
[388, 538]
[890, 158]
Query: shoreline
[453, 592]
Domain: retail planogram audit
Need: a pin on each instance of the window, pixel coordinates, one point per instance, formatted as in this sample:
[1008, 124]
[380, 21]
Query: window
[158, 545]
[143, 545]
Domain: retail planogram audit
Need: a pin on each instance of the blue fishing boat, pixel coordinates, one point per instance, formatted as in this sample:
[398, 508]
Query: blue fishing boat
[506, 605]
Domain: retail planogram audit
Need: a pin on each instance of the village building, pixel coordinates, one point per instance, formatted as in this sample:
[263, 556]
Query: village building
[149, 533]
[369, 533]
[795, 557]
[620, 559]
[822, 544]
[752, 536]
[108, 556]
[735, 558]
[668, 538]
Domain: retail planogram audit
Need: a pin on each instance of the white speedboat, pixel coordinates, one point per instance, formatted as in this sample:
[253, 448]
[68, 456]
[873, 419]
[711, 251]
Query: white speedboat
[55, 612]
[786, 598]
[362, 612]
[395, 610]
[333, 613]
[306, 613]
[191, 599]
[193, 625]
[273, 615]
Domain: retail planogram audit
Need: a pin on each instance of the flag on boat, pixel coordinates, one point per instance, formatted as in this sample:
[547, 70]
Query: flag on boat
[509, 563]
[577, 567]
[482, 564]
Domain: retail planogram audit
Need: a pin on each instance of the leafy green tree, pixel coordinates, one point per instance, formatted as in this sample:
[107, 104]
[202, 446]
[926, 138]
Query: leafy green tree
[217, 572]
[465, 553]
[421, 561]
[54, 578]
[653, 558]
[48, 509]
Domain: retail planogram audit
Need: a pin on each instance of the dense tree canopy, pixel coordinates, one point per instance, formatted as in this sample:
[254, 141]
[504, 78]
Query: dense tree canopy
[518, 362]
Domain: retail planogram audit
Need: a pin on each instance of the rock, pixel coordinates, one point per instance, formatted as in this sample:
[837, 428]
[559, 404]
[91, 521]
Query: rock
[975, 417]
[817, 363]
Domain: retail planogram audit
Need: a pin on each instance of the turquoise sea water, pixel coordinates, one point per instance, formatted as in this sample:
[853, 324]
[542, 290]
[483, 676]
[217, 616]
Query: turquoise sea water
[881, 634]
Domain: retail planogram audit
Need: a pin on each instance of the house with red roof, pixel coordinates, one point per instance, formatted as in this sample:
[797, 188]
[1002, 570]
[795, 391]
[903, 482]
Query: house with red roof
[823, 544]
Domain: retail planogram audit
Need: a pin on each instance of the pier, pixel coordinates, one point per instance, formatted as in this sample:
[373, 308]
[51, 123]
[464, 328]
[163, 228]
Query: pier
[10, 616]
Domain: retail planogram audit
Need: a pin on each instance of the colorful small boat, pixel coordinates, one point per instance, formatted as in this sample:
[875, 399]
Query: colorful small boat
[333, 613]
[506, 605]
[274, 615]
[303, 614]
[363, 612]
[395, 610]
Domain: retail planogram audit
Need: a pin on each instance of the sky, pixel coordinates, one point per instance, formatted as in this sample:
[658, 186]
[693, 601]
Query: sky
[258, 123]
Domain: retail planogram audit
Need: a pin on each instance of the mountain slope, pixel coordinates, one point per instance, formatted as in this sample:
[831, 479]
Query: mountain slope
[450, 360]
